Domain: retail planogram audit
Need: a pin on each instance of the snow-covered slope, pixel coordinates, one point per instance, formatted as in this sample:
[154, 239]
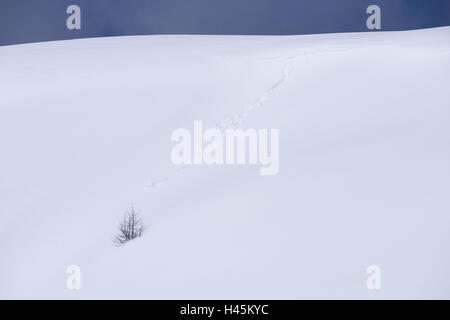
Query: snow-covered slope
[364, 176]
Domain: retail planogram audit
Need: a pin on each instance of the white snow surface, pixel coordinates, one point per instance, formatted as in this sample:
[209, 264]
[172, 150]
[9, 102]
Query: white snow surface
[364, 176]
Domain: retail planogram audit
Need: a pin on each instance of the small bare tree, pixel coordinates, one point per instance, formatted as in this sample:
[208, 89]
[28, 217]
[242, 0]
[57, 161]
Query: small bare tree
[130, 228]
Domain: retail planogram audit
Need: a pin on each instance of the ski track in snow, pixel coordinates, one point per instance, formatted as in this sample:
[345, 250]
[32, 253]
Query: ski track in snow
[232, 122]
[235, 121]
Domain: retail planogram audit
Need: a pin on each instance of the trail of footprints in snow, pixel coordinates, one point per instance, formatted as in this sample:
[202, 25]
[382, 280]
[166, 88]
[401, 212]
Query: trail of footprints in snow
[232, 122]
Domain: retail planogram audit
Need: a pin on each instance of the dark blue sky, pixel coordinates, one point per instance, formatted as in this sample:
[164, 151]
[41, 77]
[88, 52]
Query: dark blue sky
[24, 21]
